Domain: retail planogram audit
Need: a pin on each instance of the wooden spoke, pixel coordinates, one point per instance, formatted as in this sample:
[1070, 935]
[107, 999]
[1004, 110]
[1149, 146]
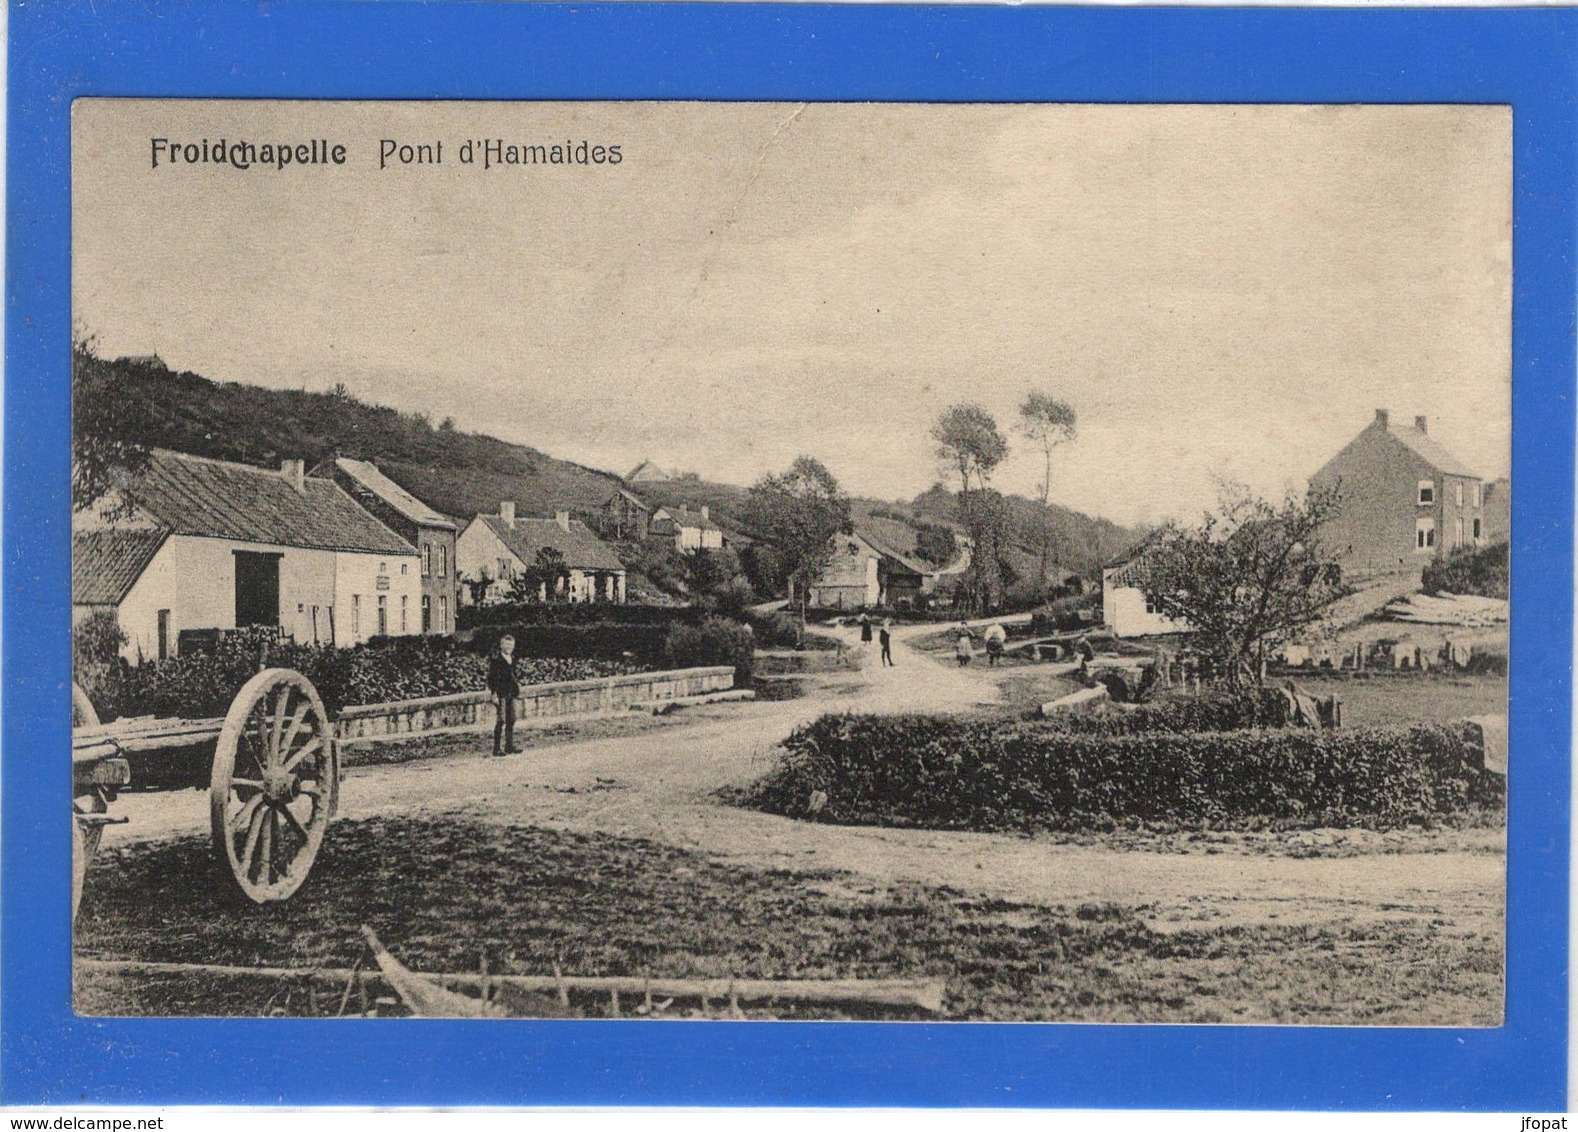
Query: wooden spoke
[307, 748]
[276, 746]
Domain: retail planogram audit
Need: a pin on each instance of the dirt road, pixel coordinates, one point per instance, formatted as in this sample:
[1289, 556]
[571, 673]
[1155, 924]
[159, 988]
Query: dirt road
[661, 785]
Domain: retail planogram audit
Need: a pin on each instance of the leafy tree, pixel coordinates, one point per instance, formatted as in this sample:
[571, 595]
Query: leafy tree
[1251, 574]
[987, 520]
[1049, 422]
[105, 424]
[547, 571]
[935, 544]
[968, 441]
[799, 511]
[479, 585]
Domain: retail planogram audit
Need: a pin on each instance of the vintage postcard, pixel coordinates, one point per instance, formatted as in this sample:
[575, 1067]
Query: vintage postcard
[1033, 563]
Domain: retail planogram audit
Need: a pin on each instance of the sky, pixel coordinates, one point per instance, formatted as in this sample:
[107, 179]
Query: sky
[1220, 292]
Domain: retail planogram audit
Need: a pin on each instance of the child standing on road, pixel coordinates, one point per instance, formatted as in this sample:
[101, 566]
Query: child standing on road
[505, 687]
[865, 629]
[886, 637]
[964, 651]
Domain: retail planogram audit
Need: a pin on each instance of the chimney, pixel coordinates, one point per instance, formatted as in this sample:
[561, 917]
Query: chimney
[1380, 419]
[563, 519]
[295, 473]
[705, 512]
[507, 513]
[1419, 423]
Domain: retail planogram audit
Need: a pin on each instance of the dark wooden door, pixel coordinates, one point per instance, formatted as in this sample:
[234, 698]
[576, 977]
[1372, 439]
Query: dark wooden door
[257, 588]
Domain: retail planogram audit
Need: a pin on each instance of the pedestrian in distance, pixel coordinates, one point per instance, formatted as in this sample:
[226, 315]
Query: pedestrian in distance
[964, 649]
[865, 629]
[885, 636]
[996, 638]
[504, 686]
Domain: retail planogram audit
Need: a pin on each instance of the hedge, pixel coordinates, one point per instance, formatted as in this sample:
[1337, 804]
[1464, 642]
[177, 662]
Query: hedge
[575, 613]
[996, 775]
[1482, 571]
[713, 640]
[202, 685]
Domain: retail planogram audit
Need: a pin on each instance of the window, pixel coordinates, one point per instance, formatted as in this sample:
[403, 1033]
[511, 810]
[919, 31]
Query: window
[443, 562]
[164, 634]
[1459, 493]
[356, 617]
[383, 616]
[427, 614]
[1151, 606]
[405, 604]
[1427, 491]
[427, 559]
[1457, 534]
[1424, 535]
[443, 614]
[1479, 532]
[1479, 495]
[405, 567]
[504, 569]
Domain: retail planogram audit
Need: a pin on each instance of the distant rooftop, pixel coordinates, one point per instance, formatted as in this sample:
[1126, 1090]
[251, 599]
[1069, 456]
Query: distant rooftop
[368, 475]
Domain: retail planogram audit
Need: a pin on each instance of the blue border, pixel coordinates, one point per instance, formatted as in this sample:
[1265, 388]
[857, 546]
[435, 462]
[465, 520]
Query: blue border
[310, 48]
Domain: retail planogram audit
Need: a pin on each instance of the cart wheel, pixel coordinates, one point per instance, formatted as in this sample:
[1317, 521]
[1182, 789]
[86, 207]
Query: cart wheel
[274, 784]
[82, 712]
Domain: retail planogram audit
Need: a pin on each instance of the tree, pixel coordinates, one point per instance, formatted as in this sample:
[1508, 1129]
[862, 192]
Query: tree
[104, 421]
[799, 511]
[1251, 574]
[935, 544]
[547, 571]
[987, 521]
[968, 441]
[1049, 422]
[479, 585]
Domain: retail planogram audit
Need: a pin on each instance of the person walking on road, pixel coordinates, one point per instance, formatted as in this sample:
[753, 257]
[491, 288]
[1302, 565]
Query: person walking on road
[885, 636]
[504, 685]
[996, 637]
[964, 650]
[865, 629]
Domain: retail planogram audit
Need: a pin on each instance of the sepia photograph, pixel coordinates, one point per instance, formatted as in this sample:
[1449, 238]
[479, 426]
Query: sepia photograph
[814, 561]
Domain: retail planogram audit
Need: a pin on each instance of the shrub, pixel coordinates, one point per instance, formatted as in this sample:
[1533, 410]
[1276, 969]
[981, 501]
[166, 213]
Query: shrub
[577, 613]
[941, 772]
[202, 685]
[1221, 711]
[715, 641]
[96, 666]
[1482, 571]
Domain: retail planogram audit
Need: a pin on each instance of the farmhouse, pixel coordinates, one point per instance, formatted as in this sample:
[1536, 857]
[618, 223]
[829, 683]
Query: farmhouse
[504, 547]
[647, 472]
[428, 532]
[197, 544]
[687, 529]
[1124, 607]
[1404, 498]
[864, 572]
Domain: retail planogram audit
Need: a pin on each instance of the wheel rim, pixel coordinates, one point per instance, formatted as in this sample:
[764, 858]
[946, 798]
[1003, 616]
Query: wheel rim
[273, 786]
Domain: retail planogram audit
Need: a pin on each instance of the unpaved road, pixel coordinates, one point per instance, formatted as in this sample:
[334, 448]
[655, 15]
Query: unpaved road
[660, 785]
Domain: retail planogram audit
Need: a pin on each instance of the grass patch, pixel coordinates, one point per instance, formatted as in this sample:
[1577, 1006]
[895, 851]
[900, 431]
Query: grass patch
[441, 891]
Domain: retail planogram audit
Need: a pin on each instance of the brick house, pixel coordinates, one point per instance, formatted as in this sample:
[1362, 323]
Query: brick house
[199, 544]
[428, 532]
[1404, 499]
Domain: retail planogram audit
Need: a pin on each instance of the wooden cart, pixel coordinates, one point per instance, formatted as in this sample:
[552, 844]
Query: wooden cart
[273, 782]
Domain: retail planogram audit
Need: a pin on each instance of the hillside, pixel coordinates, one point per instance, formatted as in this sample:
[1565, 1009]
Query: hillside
[462, 474]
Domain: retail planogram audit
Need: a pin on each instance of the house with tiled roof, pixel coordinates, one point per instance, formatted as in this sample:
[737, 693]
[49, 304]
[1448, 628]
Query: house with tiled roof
[687, 529]
[195, 544]
[431, 534]
[502, 549]
[1404, 498]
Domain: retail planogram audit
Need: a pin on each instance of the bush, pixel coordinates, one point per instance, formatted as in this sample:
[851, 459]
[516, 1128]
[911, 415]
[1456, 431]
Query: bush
[1067, 614]
[577, 613]
[202, 685]
[96, 665]
[1482, 571]
[947, 773]
[715, 641]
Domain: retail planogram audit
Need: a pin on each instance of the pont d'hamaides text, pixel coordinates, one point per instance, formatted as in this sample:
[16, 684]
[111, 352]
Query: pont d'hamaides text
[491, 153]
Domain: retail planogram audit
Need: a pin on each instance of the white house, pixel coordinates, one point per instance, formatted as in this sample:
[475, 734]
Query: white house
[204, 544]
[1124, 606]
[503, 547]
[687, 529]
